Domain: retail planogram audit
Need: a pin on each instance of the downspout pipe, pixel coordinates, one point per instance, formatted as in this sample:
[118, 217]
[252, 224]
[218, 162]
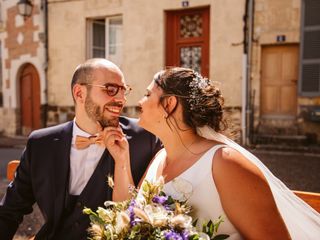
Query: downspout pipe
[44, 6]
[244, 75]
[248, 72]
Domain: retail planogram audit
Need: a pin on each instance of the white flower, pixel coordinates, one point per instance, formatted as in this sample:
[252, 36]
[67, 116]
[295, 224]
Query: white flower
[105, 214]
[203, 236]
[182, 221]
[157, 215]
[141, 214]
[183, 188]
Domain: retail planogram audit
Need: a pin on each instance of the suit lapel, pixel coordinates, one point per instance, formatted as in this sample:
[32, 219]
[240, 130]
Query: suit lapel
[62, 146]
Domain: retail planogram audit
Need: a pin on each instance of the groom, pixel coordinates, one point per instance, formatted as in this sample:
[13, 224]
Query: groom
[63, 175]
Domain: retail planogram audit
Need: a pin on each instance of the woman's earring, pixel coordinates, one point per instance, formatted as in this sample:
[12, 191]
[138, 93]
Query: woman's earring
[165, 116]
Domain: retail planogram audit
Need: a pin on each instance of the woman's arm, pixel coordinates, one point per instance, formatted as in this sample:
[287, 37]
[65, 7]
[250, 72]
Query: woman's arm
[246, 197]
[118, 146]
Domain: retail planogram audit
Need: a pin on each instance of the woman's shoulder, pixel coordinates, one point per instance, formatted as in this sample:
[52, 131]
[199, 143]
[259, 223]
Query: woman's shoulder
[232, 168]
[227, 158]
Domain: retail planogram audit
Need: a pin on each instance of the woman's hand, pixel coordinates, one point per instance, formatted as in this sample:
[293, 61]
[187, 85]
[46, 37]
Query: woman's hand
[116, 143]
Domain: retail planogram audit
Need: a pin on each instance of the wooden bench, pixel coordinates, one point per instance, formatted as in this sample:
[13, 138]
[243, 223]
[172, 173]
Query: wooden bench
[311, 198]
[11, 169]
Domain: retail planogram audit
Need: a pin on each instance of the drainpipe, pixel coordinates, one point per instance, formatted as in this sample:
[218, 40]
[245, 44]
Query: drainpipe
[44, 6]
[244, 98]
[246, 73]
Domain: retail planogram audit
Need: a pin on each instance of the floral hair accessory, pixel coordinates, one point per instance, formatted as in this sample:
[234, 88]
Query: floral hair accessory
[197, 84]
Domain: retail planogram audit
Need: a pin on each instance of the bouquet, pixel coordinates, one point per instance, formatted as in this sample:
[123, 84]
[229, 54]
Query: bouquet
[149, 214]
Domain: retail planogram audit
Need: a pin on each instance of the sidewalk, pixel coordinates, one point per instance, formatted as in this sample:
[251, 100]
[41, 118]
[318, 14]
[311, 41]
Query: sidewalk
[21, 141]
[13, 142]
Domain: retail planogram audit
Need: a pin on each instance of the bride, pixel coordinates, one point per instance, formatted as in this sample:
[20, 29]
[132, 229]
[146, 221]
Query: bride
[214, 174]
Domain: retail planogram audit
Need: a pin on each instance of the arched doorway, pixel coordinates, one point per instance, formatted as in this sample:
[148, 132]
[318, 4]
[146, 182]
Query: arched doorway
[29, 99]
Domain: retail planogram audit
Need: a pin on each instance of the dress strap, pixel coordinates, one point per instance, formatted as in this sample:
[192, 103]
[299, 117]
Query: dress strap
[203, 165]
[152, 171]
[208, 156]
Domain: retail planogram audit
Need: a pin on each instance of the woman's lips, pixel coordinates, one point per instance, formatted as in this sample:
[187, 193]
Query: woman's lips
[139, 109]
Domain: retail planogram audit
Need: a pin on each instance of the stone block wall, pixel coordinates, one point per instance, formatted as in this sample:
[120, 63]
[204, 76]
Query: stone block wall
[59, 114]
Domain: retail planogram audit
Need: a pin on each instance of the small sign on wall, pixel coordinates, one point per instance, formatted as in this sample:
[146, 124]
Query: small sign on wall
[185, 3]
[281, 38]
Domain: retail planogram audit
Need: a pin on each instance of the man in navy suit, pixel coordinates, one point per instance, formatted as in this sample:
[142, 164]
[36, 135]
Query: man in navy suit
[65, 167]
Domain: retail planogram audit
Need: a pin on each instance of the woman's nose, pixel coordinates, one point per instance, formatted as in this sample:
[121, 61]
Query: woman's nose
[140, 102]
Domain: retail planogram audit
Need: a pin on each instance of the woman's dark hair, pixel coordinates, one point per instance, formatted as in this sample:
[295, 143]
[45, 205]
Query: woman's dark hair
[202, 102]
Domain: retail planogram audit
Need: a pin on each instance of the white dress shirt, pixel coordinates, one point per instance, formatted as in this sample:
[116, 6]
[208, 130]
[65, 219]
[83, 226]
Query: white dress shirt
[82, 161]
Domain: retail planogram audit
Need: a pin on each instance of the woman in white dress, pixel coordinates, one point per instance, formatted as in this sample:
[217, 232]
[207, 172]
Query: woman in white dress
[216, 175]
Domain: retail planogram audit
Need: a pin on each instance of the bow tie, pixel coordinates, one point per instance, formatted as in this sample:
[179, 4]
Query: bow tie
[84, 142]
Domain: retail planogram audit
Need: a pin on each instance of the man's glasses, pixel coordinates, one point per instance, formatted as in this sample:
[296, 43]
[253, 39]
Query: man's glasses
[111, 89]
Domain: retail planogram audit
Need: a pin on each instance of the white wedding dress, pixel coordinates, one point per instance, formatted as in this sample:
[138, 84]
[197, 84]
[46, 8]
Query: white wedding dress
[196, 185]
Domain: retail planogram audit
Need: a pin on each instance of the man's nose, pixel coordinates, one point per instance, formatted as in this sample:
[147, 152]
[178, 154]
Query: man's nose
[120, 97]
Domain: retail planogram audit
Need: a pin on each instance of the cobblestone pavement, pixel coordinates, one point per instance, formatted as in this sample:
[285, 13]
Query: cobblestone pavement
[17, 141]
[298, 170]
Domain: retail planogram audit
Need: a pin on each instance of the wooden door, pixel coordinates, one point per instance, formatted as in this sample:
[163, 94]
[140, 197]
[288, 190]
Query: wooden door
[187, 39]
[29, 99]
[279, 75]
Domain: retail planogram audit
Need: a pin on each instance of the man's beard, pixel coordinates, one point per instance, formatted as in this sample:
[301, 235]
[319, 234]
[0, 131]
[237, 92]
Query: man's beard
[96, 114]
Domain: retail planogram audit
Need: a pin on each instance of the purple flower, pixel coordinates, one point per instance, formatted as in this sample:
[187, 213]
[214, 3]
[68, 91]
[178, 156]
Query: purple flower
[172, 235]
[160, 199]
[185, 235]
[131, 212]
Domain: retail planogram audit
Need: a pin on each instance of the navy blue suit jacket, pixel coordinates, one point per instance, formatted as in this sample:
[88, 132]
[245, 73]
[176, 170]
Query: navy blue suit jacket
[43, 172]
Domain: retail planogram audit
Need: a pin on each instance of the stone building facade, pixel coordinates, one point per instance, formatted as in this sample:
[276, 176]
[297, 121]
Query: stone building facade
[23, 64]
[281, 108]
[143, 37]
[139, 33]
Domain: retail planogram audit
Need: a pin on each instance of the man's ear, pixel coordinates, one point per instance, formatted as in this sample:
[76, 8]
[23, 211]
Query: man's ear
[79, 93]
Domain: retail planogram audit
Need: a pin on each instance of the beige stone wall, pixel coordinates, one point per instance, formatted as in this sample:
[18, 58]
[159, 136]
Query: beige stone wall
[9, 121]
[143, 42]
[272, 18]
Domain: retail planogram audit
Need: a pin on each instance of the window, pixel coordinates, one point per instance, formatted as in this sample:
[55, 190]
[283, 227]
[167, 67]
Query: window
[105, 39]
[98, 39]
[309, 84]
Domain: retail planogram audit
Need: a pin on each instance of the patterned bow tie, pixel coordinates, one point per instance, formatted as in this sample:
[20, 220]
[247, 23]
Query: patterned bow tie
[84, 142]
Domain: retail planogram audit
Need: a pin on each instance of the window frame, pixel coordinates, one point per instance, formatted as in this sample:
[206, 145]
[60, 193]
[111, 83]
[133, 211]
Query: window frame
[90, 47]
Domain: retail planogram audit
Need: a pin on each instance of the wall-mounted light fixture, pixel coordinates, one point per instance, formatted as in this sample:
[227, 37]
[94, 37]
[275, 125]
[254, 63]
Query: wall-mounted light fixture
[25, 8]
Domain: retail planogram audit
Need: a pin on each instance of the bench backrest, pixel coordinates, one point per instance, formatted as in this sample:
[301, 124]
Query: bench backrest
[313, 199]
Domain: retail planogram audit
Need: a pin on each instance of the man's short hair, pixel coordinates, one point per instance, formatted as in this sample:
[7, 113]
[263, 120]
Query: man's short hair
[84, 71]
